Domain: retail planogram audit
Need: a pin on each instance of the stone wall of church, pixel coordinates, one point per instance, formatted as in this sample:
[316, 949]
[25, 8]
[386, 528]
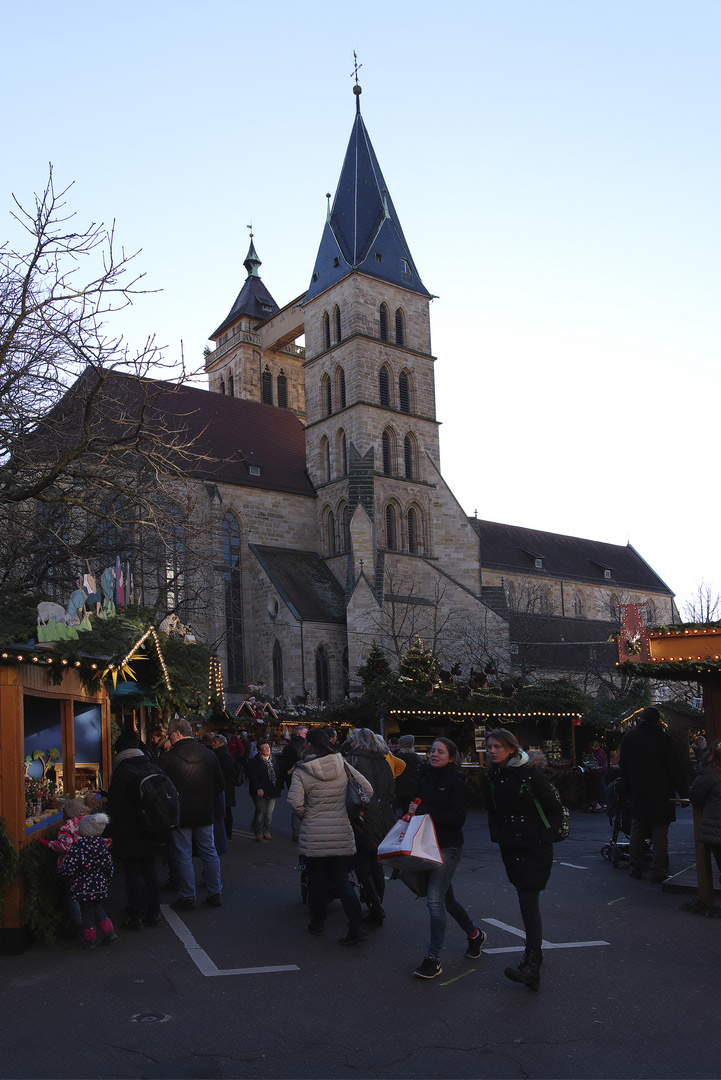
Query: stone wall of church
[540, 594]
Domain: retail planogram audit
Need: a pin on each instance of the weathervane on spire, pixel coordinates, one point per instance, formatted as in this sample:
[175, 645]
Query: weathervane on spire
[357, 90]
[251, 228]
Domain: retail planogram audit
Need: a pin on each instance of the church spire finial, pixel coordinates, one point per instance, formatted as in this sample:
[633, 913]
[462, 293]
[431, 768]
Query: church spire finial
[251, 261]
[357, 89]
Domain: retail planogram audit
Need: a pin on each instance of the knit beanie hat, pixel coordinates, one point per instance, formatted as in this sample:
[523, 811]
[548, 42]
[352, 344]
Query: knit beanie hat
[93, 824]
[75, 808]
[406, 742]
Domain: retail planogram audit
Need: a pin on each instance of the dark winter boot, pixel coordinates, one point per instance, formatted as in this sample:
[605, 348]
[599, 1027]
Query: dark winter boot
[528, 971]
[376, 909]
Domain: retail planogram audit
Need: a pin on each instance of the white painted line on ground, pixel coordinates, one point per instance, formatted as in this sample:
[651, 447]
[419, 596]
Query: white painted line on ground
[574, 865]
[200, 957]
[546, 944]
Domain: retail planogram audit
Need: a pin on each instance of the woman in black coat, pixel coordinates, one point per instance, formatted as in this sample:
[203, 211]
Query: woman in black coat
[227, 765]
[442, 793]
[516, 824]
[367, 756]
[133, 844]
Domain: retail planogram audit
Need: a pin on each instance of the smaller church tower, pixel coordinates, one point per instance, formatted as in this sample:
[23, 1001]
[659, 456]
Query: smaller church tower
[372, 434]
[249, 360]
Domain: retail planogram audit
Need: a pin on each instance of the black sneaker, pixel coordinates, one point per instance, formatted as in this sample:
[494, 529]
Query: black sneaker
[475, 944]
[353, 938]
[428, 969]
[183, 903]
[154, 921]
[213, 900]
[315, 929]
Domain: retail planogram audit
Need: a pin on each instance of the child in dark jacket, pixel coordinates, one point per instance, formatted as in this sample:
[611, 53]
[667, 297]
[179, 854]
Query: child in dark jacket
[88, 867]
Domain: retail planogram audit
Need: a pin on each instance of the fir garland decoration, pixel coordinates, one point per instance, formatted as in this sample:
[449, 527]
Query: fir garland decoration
[44, 907]
[8, 864]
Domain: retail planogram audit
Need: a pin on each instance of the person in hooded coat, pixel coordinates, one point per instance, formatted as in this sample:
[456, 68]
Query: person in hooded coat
[706, 793]
[317, 797]
[526, 842]
[366, 753]
[133, 843]
[651, 776]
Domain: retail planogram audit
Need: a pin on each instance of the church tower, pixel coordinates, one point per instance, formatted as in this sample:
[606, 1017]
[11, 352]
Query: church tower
[372, 434]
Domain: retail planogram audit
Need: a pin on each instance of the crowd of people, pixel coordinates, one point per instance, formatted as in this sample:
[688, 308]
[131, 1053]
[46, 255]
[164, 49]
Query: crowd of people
[174, 801]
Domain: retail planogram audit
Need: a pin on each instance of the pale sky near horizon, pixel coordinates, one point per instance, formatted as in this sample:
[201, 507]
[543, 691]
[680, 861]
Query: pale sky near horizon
[555, 167]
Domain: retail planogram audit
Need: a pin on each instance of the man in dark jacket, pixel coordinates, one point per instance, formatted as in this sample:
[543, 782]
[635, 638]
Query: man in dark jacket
[196, 773]
[220, 749]
[133, 843]
[290, 756]
[651, 776]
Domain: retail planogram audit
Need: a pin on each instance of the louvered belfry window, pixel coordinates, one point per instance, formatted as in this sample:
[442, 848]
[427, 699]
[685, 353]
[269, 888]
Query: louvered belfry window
[390, 528]
[336, 314]
[326, 394]
[386, 448]
[408, 457]
[341, 387]
[412, 532]
[267, 389]
[384, 392]
[282, 387]
[404, 392]
[384, 322]
[326, 330]
[400, 329]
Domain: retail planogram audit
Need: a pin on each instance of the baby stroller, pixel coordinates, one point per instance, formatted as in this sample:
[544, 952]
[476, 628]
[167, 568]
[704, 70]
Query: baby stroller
[618, 809]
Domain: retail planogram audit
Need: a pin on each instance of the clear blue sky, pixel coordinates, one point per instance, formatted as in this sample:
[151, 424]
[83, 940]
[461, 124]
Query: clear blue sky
[555, 165]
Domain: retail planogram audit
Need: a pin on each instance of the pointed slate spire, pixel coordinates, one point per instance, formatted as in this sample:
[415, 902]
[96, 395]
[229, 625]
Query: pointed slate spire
[253, 299]
[252, 262]
[363, 231]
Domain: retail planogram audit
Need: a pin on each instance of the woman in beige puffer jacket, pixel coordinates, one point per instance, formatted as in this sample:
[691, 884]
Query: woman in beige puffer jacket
[318, 796]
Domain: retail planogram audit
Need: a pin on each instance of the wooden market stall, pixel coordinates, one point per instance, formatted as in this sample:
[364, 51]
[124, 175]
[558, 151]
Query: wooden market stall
[686, 653]
[40, 712]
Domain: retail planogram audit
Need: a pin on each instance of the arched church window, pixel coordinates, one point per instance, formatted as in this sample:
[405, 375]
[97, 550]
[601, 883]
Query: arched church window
[386, 447]
[383, 319]
[231, 386]
[330, 544]
[267, 387]
[404, 392]
[400, 328]
[233, 600]
[391, 530]
[322, 674]
[384, 386]
[326, 394]
[277, 670]
[222, 386]
[341, 444]
[336, 320]
[408, 457]
[282, 390]
[577, 606]
[412, 532]
[325, 459]
[343, 527]
[341, 387]
[326, 330]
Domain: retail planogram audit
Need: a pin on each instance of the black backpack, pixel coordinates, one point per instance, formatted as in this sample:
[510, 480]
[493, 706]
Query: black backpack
[159, 803]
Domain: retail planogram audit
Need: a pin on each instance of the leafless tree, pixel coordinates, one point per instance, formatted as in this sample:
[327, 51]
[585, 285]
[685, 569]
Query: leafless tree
[704, 606]
[91, 463]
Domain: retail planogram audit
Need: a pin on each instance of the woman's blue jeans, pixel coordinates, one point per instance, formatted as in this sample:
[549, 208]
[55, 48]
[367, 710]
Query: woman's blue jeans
[441, 899]
[263, 818]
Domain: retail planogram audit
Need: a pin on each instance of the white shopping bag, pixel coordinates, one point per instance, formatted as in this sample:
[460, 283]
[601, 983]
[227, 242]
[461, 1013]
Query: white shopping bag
[411, 845]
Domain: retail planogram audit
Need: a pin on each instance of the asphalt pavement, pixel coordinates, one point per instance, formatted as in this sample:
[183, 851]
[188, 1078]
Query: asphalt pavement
[630, 983]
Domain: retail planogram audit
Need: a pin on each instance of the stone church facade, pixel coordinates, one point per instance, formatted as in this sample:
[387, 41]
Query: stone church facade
[329, 522]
